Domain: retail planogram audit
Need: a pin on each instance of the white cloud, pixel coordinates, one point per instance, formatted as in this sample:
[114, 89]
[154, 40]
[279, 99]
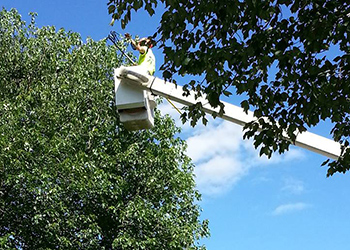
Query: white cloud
[289, 208]
[212, 141]
[293, 186]
[291, 155]
[260, 180]
[220, 155]
[218, 174]
[216, 152]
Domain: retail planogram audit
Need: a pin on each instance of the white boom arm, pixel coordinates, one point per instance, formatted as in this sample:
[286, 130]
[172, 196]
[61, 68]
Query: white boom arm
[235, 114]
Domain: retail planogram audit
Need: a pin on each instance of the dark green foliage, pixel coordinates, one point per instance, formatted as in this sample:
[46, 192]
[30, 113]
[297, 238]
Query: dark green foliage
[239, 44]
[70, 176]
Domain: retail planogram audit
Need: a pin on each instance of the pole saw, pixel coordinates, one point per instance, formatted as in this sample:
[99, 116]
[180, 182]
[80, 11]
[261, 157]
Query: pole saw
[113, 37]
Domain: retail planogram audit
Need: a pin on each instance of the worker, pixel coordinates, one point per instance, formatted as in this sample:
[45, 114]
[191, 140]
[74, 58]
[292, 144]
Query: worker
[146, 63]
[146, 60]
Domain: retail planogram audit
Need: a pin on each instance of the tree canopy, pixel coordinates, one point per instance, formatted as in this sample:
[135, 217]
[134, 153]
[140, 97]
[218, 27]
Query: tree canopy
[71, 176]
[276, 54]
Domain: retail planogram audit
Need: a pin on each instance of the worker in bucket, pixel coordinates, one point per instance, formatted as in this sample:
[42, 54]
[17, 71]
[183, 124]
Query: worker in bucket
[147, 61]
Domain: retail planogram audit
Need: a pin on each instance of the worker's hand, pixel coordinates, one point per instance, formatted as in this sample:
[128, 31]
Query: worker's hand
[127, 35]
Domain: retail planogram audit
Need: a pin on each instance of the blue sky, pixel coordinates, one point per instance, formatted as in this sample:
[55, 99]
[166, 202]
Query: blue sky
[251, 203]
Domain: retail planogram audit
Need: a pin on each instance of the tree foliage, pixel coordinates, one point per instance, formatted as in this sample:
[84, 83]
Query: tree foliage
[70, 176]
[277, 54]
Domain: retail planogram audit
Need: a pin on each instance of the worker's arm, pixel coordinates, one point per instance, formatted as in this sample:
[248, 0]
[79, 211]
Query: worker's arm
[136, 45]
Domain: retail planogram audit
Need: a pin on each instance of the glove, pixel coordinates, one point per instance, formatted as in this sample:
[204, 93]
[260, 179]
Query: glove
[127, 35]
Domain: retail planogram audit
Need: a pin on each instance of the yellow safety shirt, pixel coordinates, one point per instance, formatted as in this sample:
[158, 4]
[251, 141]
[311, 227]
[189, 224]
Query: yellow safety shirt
[148, 61]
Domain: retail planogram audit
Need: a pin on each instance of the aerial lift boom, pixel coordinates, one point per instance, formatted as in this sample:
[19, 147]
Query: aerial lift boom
[131, 81]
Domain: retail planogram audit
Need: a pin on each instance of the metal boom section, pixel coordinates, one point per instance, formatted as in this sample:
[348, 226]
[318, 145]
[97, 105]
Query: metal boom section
[235, 114]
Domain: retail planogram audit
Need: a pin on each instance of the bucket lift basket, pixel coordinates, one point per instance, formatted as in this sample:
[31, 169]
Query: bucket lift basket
[135, 106]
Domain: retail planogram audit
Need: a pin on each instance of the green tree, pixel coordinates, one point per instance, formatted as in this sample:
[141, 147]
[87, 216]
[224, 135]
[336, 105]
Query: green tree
[274, 53]
[70, 176]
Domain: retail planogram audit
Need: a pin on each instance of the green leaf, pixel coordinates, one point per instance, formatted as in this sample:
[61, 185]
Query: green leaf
[245, 105]
[227, 93]
[74, 176]
[251, 45]
[111, 9]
